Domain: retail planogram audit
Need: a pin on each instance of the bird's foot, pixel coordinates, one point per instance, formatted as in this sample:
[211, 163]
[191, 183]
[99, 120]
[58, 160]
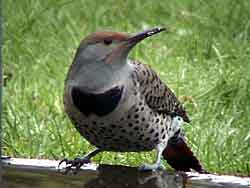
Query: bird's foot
[151, 167]
[73, 165]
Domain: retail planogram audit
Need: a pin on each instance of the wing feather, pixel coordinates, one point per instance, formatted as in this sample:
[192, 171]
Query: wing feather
[158, 96]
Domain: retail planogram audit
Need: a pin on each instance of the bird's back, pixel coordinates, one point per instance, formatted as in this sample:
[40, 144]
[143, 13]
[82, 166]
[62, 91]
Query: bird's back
[158, 95]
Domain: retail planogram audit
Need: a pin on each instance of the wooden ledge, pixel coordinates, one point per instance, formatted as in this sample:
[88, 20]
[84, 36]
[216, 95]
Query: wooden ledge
[27, 173]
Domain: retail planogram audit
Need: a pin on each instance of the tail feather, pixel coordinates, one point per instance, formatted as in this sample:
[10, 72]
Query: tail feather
[180, 157]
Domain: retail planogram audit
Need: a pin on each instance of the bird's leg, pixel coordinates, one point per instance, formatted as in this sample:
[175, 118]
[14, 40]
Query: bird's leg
[157, 165]
[78, 162]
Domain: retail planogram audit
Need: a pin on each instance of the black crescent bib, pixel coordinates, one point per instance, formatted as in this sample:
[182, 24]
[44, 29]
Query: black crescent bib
[99, 104]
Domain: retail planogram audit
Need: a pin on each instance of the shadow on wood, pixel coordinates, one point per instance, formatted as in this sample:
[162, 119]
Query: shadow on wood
[27, 173]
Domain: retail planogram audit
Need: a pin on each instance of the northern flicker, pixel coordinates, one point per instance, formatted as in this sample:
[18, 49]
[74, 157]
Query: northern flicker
[122, 105]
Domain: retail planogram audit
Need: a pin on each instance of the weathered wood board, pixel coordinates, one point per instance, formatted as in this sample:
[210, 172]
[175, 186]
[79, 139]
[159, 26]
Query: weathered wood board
[27, 173]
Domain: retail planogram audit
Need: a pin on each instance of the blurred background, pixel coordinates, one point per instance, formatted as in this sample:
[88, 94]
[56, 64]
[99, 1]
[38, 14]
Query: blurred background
[204, 57]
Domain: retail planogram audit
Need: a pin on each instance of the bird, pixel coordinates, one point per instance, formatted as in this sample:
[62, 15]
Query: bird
[122, 105]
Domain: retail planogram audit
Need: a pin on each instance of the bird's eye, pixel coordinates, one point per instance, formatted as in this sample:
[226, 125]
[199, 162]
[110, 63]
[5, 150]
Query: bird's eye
[107, 41]
[179, 119]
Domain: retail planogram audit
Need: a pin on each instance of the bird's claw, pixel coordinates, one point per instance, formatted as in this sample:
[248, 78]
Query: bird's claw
[73, 165]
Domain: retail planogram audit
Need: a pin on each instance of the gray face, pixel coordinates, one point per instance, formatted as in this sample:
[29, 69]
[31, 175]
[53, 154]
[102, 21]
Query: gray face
[93, 73]
[94, 52]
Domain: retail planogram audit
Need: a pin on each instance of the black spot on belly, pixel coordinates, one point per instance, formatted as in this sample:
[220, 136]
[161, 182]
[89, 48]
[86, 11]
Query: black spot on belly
[136, 128]
[152, 130]
[100, 104]
[130, 125]
[136, 116]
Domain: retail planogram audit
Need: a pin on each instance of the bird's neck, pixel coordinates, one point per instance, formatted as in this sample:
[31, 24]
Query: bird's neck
[97, 77]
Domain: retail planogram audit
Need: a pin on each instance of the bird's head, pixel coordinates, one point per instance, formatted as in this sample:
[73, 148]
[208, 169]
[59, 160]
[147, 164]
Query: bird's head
[102, 56]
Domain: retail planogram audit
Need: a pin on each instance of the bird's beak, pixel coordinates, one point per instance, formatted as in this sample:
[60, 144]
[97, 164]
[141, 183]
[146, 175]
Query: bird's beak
[123, 49]
[132, 41]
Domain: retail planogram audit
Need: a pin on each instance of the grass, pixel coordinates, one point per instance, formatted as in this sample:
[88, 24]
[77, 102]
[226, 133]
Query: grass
[205, 59]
